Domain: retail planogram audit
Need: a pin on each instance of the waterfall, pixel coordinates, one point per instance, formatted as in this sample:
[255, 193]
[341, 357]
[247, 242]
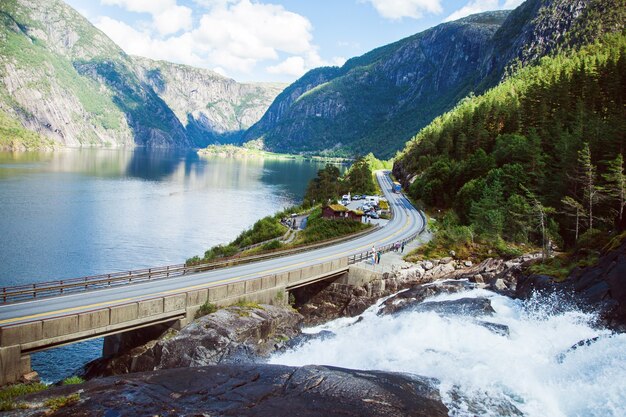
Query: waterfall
[525, 359]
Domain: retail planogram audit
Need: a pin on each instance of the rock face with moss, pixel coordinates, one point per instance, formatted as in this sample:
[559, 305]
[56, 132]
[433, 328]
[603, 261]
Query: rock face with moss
[66, 80]
[239, 333]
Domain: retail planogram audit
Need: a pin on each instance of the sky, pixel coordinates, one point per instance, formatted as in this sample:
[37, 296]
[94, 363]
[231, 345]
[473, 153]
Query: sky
[268, 40]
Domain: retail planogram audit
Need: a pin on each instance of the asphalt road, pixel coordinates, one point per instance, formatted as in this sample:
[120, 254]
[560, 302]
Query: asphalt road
[406, 221]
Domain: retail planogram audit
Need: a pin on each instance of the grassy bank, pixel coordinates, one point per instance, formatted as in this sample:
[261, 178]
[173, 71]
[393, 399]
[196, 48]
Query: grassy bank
[267, 232]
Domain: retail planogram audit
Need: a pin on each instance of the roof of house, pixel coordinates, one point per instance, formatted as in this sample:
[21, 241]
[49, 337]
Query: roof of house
[338, 207]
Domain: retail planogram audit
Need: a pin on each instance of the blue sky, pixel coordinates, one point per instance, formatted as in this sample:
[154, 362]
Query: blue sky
[268, 40]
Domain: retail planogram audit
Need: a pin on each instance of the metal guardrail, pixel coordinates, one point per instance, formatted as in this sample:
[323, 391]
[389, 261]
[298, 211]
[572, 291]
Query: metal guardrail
[72, 285]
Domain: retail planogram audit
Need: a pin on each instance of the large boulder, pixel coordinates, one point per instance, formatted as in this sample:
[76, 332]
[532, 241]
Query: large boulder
[233, 334]
[250, 390]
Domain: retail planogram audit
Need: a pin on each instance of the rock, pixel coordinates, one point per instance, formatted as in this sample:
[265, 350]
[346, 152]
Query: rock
[427, 265]
[465, 306]
[445, 260]
[467, 263]
[250, 390]
[452, 253]
[500, 285]
[232, 334]
[477, 279]
[303, 338]
[417, 294]
[500, 329]
[586, 342]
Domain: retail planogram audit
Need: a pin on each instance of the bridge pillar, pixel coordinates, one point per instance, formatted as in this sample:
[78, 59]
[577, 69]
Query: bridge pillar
[123, 342]
[13, 365]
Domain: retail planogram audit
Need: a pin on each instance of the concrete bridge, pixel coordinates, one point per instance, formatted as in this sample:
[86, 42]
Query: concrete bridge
[35, 325]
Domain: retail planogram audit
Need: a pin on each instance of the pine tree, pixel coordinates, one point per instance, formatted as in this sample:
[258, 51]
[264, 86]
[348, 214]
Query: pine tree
[540, 213]
[574, 209]
[616, 184]
[586, 178]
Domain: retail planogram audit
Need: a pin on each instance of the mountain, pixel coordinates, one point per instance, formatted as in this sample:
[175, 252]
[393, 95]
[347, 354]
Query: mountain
[541, 152]
[66, 80]
[213, 108]
[376, 102]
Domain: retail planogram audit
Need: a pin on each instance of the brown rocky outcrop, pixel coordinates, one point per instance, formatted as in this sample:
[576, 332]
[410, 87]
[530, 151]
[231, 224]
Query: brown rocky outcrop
[249, 390]
[233, 334]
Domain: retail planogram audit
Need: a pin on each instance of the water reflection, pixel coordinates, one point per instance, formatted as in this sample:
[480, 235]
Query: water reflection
[84, 211]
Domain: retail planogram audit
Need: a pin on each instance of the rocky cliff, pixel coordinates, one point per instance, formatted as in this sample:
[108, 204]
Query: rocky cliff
[64, 79]
[376, 102]
[213, 108]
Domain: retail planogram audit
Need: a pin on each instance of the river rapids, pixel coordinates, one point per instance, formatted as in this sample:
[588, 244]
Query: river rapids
[551, 362]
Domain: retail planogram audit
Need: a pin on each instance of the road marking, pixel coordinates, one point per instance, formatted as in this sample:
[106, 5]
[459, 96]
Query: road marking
[206, 284]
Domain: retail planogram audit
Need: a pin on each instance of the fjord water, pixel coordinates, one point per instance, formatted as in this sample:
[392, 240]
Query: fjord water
[78, 212]
[532, 372]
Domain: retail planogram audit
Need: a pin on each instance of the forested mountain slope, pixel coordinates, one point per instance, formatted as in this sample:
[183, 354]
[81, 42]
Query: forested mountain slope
[544, 148]
[376, 102]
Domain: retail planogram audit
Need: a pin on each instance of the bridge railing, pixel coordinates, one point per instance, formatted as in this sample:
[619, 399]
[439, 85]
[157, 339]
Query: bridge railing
[72, 285]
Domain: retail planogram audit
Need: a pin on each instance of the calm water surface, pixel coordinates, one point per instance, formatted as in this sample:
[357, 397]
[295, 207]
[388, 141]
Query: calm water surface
[81, 212]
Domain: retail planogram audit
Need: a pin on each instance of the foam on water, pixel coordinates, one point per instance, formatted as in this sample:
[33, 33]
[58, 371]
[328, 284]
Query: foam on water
[532, 371]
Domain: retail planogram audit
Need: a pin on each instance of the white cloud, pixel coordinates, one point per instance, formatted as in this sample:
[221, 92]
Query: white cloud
[234, 36]
[479, 6]
[167, 16]
[397, 9]
[294, 65]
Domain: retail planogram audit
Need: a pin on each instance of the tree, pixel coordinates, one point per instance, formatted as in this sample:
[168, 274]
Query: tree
[573, 209]
[360, 177]
[324, 187]
[487, 213]
[540, 214]
[616, 184]
[586, 178]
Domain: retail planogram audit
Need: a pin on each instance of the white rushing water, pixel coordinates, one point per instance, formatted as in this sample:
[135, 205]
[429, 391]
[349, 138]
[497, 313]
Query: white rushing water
[481, 372]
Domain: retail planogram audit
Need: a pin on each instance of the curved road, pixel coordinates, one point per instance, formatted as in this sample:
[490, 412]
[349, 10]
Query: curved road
[406, 221]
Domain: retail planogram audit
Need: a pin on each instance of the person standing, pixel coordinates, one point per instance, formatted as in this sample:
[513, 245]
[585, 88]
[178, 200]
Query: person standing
[402, 248]
[373, 255]
[378, 257]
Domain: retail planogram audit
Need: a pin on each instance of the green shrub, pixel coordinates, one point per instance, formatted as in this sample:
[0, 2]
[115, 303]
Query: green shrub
[56, 403]
[272, 245]
[206, 308]
[10, 392]
[73, 380]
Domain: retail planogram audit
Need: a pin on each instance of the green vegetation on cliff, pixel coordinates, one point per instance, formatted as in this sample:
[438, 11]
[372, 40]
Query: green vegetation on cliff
[535, 159]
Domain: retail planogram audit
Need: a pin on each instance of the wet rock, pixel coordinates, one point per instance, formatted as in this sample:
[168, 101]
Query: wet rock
[233, 334]
[500, 329]
[251, 390]
[303, 338]
[464, 306]
[586, 342]
[417, 294]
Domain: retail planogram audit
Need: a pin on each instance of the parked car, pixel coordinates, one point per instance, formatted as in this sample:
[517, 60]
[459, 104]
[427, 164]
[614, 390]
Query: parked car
[356, 197]
[373, 214]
